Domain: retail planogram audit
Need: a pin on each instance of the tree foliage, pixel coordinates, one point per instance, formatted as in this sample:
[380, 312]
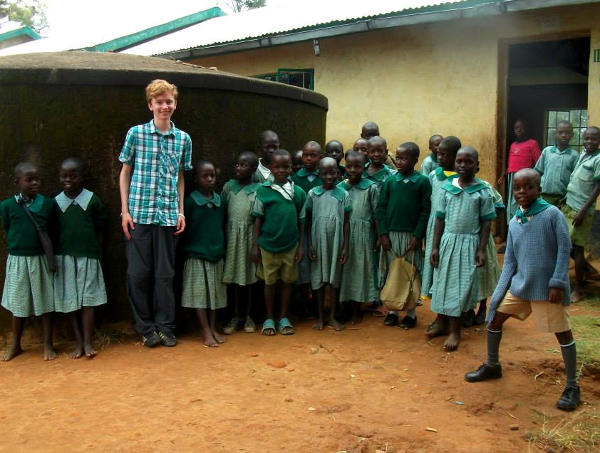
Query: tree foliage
[241, 5]
[27, 12]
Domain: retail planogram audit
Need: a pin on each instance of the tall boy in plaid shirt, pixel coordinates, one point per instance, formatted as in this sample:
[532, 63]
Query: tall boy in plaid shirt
[151, 184]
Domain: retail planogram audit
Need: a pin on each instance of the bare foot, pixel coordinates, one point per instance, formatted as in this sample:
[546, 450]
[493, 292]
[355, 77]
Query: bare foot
[12, 353]
[435, 329]
[318, 325]
[338, 326]
[89, 351]
[210, 342]
[452, 342]
[356, 319]
[576, 295]
[219, 338]
[49, 352]
[77, 352]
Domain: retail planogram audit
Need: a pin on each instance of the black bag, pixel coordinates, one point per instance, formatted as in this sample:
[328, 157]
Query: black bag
[42, 235]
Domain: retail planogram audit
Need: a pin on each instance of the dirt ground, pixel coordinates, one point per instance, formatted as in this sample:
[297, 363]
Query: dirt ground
[365, 389]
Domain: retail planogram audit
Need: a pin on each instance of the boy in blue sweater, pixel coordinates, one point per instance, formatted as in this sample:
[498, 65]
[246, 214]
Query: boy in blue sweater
[534, 280]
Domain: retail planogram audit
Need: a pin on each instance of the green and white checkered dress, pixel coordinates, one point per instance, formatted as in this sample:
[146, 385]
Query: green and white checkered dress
[203, 285]
[78, 282]
[28, 289]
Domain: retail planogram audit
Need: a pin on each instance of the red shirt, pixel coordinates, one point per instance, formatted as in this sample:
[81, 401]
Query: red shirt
[523, 155]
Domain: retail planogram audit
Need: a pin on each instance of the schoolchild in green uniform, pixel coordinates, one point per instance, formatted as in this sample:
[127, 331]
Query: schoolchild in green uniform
[430, 163]
[239, 194]
[556, 164]
[335, 150]
[296, 161]
[326, 213]
[204, 249]
[277, 238]
[377, 170]
[268, 144]
[28, 285]
[79, 281]
[362, 145]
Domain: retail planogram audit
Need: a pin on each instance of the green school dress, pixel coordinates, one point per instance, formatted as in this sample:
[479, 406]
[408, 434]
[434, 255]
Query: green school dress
[358, 274]
[437, 178]
[204, 248]
[28, 286]
[327, 209]
[455, 280]
[239, 268]
[489, 274]
[78, 280]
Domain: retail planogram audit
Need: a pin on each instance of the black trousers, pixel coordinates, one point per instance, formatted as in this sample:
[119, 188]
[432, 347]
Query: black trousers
[150, 271]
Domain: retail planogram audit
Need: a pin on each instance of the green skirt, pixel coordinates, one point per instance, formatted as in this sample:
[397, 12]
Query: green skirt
[28, 288]
[203, 285]
[78, 282]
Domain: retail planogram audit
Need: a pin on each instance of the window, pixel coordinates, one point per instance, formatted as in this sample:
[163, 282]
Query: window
[303, 78]
[578, 119]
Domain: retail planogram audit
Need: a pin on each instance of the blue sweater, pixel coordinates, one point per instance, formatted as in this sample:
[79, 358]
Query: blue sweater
[536, 259]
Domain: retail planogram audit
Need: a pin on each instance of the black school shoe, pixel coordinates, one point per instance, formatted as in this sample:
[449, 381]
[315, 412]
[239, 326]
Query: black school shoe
[390, 320]
[570, 399]
[151, 340]
[167, 339]
[408, 322]
[484, 372]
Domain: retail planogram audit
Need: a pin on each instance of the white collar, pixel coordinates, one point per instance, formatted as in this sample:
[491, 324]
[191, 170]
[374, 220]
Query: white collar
[263, 170]
[83, 200]
[287, 190]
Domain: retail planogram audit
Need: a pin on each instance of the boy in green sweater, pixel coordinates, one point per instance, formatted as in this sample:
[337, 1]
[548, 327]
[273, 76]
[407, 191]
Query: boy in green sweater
[402, 213]
[277, 239]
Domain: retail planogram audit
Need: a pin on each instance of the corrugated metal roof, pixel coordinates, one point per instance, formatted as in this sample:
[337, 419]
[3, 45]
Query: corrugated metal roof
[275, 20]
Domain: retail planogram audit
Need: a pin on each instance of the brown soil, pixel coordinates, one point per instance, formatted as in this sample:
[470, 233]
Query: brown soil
[365, 389]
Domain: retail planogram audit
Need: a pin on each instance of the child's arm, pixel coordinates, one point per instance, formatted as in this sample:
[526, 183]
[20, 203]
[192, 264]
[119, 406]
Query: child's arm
[560, 277]
[344, 256]
[484, 236]
[312, 255]
[438, 230]
[421, 227]
[258, 221]
[181, 193]
[380, 213]
[578, 219]
[124, 182]
[300, 249]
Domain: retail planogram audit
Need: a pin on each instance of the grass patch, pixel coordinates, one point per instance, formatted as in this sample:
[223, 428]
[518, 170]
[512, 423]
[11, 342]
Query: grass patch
[579, 432]
[586, 329]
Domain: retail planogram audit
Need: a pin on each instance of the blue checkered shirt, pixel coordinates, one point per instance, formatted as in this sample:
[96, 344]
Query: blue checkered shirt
[156, 160]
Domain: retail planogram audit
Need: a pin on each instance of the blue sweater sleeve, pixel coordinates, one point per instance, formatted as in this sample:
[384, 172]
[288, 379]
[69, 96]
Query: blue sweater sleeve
[509, 268]
[560, 277]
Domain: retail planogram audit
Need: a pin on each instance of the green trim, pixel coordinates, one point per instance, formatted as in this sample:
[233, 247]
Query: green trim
[280, 71]
[134, 39]
[27, 31]
[490, 216]
[201, 200]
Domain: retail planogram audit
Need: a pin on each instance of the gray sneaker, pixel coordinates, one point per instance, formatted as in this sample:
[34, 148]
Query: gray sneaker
[167, 339]
[151, 340]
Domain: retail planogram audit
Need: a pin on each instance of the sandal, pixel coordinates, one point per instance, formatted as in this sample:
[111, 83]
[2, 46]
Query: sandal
[249, 326]
[408, 322]
[268, 328]
[285, 327]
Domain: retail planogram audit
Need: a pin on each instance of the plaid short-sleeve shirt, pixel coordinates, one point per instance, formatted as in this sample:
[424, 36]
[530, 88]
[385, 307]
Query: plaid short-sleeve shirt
[156, 160]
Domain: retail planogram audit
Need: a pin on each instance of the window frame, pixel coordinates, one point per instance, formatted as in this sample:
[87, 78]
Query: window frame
[576, 146]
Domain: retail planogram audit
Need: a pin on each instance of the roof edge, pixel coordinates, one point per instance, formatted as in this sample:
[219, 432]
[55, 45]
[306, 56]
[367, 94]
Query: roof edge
[24, 30]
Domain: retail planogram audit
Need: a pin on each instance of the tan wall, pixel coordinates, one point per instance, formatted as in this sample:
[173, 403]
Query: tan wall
[419, 80]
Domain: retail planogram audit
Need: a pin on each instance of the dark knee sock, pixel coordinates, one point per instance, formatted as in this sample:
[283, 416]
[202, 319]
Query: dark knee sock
[569, 354]
[493, 346]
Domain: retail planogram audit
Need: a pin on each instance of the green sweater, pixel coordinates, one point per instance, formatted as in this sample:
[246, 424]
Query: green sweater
[204, 234]
[279, 232]
[300, 178]
[404, 204]
[21, 235]
[79, 228]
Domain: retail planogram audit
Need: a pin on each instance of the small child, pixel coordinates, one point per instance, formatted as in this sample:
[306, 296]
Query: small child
[358, 281]
[269, 143]
[308, 176]
[28, 289]
[446, 155]
[371, 129]
[277, 238]
[402, 213]
[523, 153]
[535, 279]
[362, 146]
[204, 249]
[327, 212]
[239, 195]
[377, 170]
[296, 161]
[462, 229]
[430, 163]
[335, 150]
[556, 164]
[582, 192]
[78, 281]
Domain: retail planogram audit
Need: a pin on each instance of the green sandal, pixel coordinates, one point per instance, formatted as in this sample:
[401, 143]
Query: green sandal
[268, 328]
[285, 327]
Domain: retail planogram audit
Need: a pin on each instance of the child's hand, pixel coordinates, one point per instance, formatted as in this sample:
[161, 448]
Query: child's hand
[578, 219]
[255, 254]
[480, 258]
[377, 245]
[312, 255]
[434, 258]
[126, 225]
[556, 295]
[414, 244]
[299, 254]
[385, 242]
[344, 255]
[180, 225]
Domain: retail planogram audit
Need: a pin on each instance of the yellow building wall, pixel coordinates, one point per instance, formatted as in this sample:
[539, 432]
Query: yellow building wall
[414, 81]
